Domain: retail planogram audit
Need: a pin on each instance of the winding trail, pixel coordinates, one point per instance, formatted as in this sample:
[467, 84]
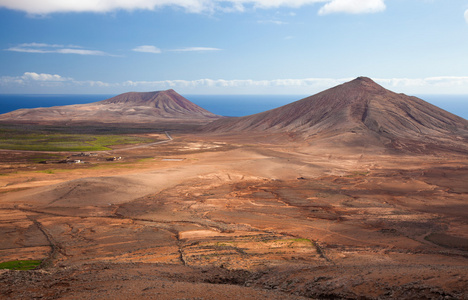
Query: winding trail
[169, 139]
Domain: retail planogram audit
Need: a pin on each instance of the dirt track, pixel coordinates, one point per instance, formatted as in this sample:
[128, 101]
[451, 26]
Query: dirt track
[241, 220]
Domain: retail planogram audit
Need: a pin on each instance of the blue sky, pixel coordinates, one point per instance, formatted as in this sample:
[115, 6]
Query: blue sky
[232, 46]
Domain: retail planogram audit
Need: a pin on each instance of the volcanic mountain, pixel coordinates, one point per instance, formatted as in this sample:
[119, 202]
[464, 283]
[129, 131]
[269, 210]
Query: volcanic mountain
[133, 107]
[356, 113]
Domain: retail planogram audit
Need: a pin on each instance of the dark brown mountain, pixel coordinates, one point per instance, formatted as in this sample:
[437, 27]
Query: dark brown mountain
[168, 103]
[136, 108]
[358, 112]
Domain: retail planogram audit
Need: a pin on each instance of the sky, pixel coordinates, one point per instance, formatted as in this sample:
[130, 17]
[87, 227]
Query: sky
[232, 46]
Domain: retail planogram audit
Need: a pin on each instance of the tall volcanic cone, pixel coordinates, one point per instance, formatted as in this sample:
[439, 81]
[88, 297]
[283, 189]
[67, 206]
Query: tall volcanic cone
[360, 107]
[133, 107]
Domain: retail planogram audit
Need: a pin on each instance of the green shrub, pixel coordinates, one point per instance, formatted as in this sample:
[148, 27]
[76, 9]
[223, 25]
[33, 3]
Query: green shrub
[22, 265]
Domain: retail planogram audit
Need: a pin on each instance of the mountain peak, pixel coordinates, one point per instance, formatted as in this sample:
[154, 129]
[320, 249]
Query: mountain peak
[168, 103]
[358, 108]
[365, 83]
[364, 79]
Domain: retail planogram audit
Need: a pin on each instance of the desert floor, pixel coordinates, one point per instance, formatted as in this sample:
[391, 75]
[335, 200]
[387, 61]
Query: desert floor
[204, 217]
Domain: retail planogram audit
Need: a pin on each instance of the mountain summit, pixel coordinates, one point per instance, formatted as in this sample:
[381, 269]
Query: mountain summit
[361, 110]
[130, 108]
[169, 103]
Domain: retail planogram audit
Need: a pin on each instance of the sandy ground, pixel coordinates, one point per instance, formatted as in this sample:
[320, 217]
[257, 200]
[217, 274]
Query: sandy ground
[233, 218]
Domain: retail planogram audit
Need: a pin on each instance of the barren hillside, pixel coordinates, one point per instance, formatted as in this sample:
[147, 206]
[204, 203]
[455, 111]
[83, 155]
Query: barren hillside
[359, 111]
[137, 108]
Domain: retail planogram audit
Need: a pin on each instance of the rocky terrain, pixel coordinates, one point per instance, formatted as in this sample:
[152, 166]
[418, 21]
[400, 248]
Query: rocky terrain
[284, 209]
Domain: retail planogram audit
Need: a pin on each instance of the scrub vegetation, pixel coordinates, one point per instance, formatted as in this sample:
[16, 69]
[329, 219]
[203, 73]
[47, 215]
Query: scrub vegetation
[64, 141]
[21, 265]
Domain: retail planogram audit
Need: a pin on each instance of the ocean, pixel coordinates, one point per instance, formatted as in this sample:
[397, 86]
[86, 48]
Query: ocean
[225, 105]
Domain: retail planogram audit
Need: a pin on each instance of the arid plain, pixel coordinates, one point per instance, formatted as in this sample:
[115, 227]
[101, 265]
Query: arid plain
[249, 214]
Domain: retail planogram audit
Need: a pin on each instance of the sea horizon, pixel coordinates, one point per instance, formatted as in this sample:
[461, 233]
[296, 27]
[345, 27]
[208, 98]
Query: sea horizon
[231, 105]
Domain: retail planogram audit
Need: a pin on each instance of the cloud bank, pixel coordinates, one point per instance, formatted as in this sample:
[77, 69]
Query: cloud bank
[33, 82]
[54, 48]
[466, 16]
[36, 7]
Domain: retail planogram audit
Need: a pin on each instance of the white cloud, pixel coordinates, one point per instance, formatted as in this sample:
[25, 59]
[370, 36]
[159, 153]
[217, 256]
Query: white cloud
[43, 77]
[199, 49]
[36, 7]
[217, 84]
[33, 80]
[43, 45]
[52, 83]
[466, 16]
[36, 82]
[54, 6]
[81, 52]
[54, 48]
[439, 82]
[352, 6]
[147, 49]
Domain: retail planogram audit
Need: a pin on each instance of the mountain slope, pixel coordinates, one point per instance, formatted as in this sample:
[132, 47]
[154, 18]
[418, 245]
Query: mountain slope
[359, 107]
[133, 107]
[168, 103]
